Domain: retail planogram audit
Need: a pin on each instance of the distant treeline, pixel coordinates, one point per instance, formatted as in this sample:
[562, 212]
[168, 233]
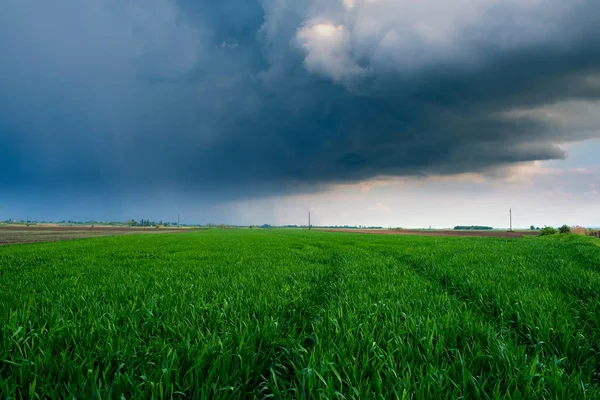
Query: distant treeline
[147, 222]
[473, 228]
[332, 226]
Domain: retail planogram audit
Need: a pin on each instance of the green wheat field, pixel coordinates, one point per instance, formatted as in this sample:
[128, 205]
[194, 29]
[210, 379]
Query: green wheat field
[285, 314]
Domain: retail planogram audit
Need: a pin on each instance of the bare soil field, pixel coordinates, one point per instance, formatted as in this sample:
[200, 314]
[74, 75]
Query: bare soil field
[13, 234]
[500, 234]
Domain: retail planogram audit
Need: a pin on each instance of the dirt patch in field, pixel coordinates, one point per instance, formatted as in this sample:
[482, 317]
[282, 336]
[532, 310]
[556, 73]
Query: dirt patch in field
[499, 234]
[13, 234]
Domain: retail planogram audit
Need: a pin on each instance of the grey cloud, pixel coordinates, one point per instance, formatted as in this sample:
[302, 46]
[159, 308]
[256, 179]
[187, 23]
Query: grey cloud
[248, 98]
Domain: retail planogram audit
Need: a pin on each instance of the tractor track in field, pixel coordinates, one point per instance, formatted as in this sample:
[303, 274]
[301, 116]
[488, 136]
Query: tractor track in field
[323, 291]
[466, 294]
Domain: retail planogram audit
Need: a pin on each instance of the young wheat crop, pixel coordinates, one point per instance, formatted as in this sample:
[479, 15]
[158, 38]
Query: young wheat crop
[296, 314]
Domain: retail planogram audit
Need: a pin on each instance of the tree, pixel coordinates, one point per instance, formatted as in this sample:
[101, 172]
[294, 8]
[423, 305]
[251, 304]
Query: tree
[532, 228]
[564, 229]
[547, 230]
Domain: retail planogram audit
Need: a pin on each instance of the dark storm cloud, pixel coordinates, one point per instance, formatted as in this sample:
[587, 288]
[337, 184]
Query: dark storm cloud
[237, 94]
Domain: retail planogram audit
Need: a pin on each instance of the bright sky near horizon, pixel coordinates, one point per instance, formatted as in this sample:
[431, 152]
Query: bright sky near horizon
[411, 113]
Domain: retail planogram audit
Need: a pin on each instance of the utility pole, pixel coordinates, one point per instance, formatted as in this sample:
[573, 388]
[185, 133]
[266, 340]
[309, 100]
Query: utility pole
[510, 216]
[177, 220]
[309, 220]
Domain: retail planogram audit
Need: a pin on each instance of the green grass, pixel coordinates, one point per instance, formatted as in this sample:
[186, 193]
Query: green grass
[296, 314]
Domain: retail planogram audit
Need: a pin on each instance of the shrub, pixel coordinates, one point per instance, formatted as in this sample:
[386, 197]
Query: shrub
[565, 229]
[547, 230]
[594, 233]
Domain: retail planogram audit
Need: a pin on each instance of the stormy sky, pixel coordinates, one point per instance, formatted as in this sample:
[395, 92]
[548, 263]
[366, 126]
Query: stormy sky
[388, 112]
